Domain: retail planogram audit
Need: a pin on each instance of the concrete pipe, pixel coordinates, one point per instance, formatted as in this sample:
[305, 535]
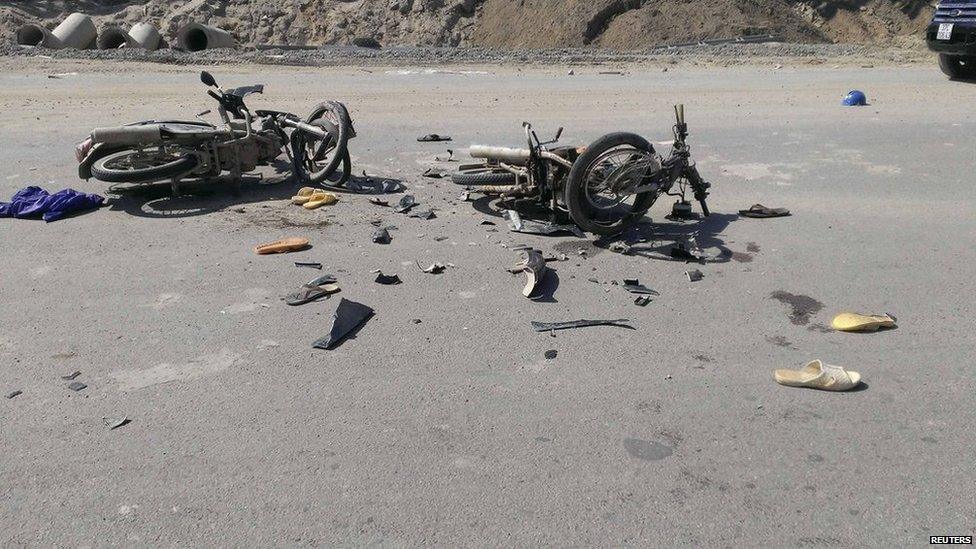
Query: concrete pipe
[146, 36]
[197, 37]
[77, 31]
[113, 38]
[36, 35]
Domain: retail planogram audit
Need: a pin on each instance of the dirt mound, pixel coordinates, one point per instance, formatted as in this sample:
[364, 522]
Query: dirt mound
[619, 24]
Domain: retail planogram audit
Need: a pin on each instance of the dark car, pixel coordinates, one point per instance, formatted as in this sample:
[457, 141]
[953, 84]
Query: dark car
[952, 34]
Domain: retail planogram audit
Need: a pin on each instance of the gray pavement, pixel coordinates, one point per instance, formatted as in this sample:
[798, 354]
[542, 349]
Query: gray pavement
[456, 431]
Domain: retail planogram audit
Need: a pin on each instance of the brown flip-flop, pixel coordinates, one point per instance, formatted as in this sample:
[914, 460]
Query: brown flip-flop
[309, 293]
[282, 246]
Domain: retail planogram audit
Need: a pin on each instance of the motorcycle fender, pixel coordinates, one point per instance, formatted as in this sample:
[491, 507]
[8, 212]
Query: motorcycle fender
[100, 150]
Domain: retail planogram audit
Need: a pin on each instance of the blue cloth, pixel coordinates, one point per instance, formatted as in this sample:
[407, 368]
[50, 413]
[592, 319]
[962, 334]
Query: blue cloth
[36, 202]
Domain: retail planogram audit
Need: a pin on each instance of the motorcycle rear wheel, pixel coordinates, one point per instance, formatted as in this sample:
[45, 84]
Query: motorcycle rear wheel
[137, 166]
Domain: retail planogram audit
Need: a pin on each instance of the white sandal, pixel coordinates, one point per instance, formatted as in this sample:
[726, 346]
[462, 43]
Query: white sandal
[817, 375]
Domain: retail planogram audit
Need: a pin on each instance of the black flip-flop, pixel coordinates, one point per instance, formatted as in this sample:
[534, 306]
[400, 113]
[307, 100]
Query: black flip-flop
[758, 211]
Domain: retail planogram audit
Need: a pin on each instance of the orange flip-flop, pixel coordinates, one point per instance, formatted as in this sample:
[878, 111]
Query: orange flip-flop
[282, 246]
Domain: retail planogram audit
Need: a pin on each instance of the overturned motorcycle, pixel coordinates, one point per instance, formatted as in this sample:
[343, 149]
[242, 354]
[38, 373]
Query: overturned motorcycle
[604, 188]
[175, 150]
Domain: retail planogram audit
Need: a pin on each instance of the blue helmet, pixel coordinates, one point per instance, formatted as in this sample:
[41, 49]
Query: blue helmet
[855, 98]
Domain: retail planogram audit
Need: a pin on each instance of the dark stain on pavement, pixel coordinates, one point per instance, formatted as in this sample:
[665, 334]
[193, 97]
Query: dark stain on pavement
[752, 247]
[741, 257]
[802, 307]
[646, 450]
[780, 341]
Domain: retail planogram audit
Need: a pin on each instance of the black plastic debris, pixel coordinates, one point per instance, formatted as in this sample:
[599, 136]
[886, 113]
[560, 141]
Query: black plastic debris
[387, 280]
[382, 236]
[14, 394]
[450, 157]
[519, 225]
[584, 323]
[486, 222]
[435, 268]
[634, 286]
[441, 238]
[435, 173]
[71, 376]
[694, 275]
[378, 201]
[433, 138]
[758, 211]
[551, 354]
[406, 202]
[681, 252]
[465, 196]
[77, 386]
[422, 214]
[416, 321]
[115, 424]
[348, 317]
[309, 264]
[642, 300]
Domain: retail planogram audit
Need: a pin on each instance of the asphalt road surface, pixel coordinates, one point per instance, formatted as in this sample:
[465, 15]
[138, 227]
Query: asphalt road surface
[457, 430]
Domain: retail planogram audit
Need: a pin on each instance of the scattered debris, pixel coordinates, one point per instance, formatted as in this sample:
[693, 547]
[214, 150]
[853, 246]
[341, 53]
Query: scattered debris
[687, 252]
[14, 394]
[382, 236]
[348, 317]
[450, 157]
[758, 211]
[387, 279]
[486, 222]
[282, 246]
[518, 225]
[552, 326]
[71, 376]
[433, 138]
[407, 201]
[422, 214]
[550, 354]
[435, 268]
[642, 300]
[818, 375]
[77, 386]
[694, 275]
[620, 248]
[416, 321]
[634, 286]
[435, 173]
[378, 201]
[465, 196]
[534, 267]
[113, 425]
[310, 264]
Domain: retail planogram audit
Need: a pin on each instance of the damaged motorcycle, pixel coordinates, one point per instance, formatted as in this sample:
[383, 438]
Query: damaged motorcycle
[604, 188]
[175, 150]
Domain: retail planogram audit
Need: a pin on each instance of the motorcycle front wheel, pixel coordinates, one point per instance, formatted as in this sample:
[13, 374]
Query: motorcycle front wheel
[143, 166]
[317, 159]
[596, 195]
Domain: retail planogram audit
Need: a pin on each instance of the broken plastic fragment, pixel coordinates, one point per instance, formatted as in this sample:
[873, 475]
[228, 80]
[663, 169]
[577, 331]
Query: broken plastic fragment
[348, 317]
[642, 300]
[620, 248]
[519, 225]
[406, 202]
[76, 386]
[71, 376]
[433, 138]
[434, 173]
[378, 201]
[422, 214]
[635, 287]
[694, 275]
[311, 264]
[534, 267]
[435, 268]
[387, 279]
[113, 425]
[584, 323]
[551, 354]
[382, 236]
[13, 394]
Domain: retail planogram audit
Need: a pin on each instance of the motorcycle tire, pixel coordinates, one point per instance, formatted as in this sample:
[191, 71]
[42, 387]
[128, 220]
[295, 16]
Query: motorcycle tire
[474, 179]
[342, 127]
[168, 170]
[575, 198]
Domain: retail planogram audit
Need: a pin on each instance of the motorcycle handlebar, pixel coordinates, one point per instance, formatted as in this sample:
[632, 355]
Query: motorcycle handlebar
[215, 96]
